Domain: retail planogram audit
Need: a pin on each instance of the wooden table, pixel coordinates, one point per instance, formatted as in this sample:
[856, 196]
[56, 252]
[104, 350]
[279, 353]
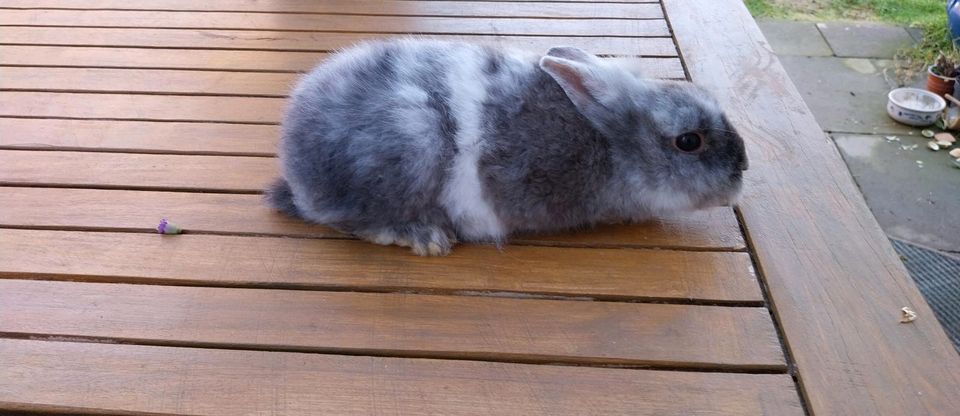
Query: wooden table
[115, 113]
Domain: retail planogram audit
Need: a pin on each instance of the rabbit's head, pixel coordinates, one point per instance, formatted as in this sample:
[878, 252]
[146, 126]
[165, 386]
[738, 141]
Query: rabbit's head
[672, 145]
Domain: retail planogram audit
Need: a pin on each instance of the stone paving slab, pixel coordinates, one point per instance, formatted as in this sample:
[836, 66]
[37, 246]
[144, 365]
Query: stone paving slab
[794, 38]
[910, 202]
[865, 40]
[916, 33]
[846, 95]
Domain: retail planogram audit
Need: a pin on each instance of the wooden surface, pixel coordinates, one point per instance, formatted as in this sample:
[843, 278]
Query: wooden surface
[167, 380]
[628, 10]
[398, 324]
[252, 110]
[265, 40]
[176, 82]
[210, 59]
[337, 24]
[138, 136]
[615, 274]
[114, 114]
[206, 213]
[835, 284]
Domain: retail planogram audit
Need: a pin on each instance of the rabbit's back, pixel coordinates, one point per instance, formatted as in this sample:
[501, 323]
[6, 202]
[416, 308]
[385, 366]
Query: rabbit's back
[389, 134]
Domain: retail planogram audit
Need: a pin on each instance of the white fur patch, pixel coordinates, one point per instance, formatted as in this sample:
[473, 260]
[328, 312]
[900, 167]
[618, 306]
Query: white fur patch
[470, 212]
[638, 201]
[410, 114]
[664, 201]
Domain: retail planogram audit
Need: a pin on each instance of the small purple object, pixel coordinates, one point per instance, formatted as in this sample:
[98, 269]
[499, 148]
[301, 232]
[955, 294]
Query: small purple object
[166, 227]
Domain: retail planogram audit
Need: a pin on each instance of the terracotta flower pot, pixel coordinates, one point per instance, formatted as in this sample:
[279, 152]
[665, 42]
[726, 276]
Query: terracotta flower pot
[939, 84]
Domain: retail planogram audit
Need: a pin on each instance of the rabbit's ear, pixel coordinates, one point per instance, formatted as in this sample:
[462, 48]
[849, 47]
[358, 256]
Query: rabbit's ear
[593, 89]
[574, 54]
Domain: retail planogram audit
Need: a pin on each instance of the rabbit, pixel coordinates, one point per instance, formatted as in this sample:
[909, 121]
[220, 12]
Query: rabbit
[424, 143]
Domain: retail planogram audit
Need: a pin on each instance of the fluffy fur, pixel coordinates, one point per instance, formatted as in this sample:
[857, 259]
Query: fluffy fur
[423, 143]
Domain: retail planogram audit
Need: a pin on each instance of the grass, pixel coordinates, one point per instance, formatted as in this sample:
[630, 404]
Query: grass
[763, 8]
[927, 15]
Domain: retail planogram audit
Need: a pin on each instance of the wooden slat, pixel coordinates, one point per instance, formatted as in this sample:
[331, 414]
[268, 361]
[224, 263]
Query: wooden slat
[147, 81]
[168, 137]
[203, 59]
[142, 107]
[112, 170]
[526, 330]
[835, 283]
[345, 264]
[140, 81]
[372, 7]
[303, 41]
[94, 209]
[55, 376]
[341, 23]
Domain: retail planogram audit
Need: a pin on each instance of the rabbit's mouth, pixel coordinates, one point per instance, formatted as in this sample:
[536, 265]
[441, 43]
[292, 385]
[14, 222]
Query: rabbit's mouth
[729, 199]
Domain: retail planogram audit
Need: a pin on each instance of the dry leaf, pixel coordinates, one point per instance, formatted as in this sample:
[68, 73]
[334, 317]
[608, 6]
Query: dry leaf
[908, 315]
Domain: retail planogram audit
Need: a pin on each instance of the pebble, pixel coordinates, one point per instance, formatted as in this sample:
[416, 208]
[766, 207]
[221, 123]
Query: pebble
[945, 137]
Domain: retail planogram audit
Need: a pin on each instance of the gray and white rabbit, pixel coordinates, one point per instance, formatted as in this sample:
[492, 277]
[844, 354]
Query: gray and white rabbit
[423, 143]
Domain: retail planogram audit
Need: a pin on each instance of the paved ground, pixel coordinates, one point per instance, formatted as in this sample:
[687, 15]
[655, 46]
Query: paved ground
[844, 71]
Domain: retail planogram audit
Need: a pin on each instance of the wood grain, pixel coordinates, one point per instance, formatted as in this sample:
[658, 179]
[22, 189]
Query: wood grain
[639, 10]
[526, 330]
[304, 41]
[205, 59]
[129, 378]
[198, 59]
[194, 97]
[711, 277]
[116, 170]
[340, 23]
[835, 283]
[151, 81]
[95, 209]
[139, 136]
[142, 107]
[146, 81]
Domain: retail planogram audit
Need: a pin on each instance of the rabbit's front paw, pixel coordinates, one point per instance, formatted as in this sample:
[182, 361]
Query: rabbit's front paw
[425, 240]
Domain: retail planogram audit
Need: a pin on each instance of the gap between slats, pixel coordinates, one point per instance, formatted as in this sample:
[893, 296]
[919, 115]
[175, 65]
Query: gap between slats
[182, 187]
[259, 23]
[346, 265]
[181, 82]
[240, 40]
[713, 229]
[377, 324]
[560, 361]
[307, 384]
[551, 10]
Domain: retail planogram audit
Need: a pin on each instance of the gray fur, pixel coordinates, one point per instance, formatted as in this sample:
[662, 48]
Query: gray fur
[369, 140]
[280, 197]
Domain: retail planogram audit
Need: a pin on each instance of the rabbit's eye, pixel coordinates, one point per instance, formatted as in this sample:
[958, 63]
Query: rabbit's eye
[689, 142]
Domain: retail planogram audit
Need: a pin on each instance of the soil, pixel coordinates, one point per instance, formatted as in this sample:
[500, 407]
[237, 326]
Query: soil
[802, 6]
[812, 7]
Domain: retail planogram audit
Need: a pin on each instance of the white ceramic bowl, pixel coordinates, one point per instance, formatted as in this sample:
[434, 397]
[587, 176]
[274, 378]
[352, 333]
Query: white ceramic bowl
[914, 106]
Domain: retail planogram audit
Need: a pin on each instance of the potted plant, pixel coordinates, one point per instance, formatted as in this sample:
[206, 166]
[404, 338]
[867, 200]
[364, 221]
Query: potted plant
[941, 76]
